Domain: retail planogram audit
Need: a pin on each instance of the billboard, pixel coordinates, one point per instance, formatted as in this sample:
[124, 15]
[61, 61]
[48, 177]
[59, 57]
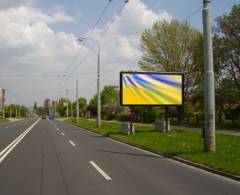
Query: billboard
[2, 98]
[151, 88]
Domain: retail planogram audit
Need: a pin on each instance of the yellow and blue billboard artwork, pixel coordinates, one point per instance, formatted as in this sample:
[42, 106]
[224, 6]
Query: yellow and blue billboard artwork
[151, 89]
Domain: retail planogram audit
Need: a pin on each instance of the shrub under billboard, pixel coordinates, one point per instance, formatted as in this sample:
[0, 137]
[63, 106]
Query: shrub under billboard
[151, 88]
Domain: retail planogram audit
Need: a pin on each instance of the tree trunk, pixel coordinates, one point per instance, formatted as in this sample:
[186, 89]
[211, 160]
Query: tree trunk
[180, 113]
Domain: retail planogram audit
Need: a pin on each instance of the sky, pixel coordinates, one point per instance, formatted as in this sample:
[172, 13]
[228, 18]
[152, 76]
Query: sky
[41, 57]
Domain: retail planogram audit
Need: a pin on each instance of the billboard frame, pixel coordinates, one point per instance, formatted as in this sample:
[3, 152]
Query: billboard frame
[150, 72]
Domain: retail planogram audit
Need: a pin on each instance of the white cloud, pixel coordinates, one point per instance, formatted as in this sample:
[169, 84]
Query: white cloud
[4, 4]
[29, 45]
[120, 44]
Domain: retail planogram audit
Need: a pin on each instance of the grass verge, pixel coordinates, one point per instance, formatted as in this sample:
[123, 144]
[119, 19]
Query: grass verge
[187, 145]
[2, 121]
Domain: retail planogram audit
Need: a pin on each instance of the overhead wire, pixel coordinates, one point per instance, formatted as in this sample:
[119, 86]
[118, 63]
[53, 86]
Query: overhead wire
[101, 35]
[91, 29]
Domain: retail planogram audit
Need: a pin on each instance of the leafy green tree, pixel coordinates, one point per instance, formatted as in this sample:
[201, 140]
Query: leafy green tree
[35, 107]
[227, 34]
[146, 114]
[61, 106]
[174, 47]
[82, 106]
[42, 111]
[110, 102]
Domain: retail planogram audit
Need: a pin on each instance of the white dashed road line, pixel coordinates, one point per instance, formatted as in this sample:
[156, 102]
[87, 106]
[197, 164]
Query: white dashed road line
[62, 133]
[72, 143]
[105, 175]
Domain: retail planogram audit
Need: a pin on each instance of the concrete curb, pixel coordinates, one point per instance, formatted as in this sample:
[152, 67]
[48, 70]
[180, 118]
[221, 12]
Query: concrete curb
[188, 162]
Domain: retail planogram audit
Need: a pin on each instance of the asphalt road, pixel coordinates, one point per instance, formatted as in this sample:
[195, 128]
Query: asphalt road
[42, 157]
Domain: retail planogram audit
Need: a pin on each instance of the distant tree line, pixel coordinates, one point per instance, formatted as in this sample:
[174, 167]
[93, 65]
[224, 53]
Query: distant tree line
[13, 110]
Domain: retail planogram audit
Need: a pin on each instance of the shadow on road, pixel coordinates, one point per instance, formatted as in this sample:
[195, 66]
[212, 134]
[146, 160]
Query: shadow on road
[129, 153]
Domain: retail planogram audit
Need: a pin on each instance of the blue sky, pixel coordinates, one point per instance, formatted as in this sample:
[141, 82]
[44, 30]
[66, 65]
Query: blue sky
[85, 12]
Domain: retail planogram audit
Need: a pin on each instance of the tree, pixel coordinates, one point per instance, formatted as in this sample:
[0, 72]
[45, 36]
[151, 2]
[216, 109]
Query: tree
[62, 106]
[41, 111]
[92, 106]
[110, 102]
[82, 102]
[227, 34]
[174, 47]
[35, 106]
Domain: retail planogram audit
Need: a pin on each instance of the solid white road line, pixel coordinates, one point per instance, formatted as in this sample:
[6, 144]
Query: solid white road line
[62, 133]
[14, 143]
[105, 175]
[71, 142]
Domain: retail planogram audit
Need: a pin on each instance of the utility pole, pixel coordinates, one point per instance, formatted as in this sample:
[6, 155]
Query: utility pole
[77, 107]
[19, 111]
[71, 109]
[16, 112]
[98, 79]
[67, 103]
[209, 93]
[10, 111]
[98, 91]
[3, 111]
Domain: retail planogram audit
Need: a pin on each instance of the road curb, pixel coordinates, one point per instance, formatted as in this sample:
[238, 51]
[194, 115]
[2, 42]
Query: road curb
[184, 161]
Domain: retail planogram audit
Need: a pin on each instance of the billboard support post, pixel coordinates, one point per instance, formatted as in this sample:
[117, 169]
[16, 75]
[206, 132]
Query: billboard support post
[166, 119]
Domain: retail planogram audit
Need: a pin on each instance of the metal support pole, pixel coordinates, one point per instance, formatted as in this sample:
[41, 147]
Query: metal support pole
[3, 111]
[16, 112]
[72, 109]
[77, 107]
[67, 103]
[209, 94]
[98, 80]
[10, 111]
[98, 92]
[166, 119]
[19, 111]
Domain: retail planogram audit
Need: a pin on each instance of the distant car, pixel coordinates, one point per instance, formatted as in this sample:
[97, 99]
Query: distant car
[51, 117]
[43, 117]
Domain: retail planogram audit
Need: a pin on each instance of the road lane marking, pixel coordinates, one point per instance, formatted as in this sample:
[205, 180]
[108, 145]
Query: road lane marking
[71, 142]
[105, 175]
[62, 133]
[4, 153]
[6, 127]
[58, 129]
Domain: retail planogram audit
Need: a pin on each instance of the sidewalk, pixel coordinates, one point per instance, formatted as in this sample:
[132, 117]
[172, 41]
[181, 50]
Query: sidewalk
[15, 119]
[227, 132]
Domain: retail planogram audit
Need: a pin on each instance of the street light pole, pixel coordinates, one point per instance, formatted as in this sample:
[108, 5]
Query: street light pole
[209, 95]
[98, 91]
[98, 80]
[19, 111]
[10, 110]
[77, 103]
[67, 103]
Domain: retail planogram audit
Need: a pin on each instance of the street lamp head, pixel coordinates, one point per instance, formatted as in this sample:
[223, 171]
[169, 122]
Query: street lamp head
[81, 39]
